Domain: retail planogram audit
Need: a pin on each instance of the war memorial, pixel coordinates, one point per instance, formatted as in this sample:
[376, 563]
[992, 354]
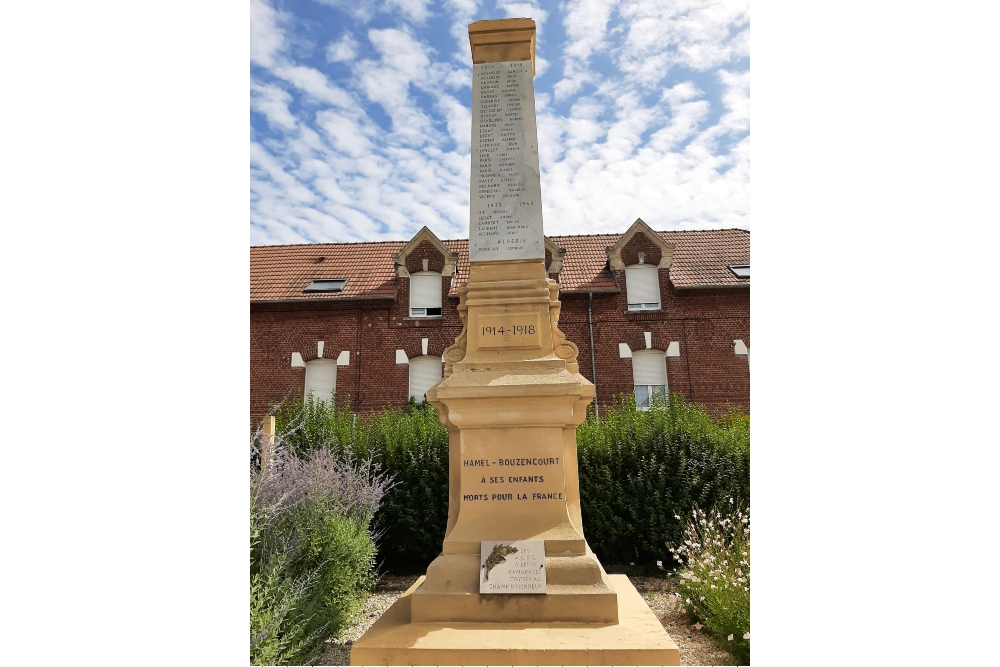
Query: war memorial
[516, 582]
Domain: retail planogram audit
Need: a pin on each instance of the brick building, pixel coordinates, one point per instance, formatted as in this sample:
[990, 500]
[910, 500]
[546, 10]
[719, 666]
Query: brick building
[667, 311]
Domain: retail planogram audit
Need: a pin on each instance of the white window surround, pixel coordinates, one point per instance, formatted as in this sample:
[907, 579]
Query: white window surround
[425, 294]
[425, 372]
[649, 376]
[642, 287]
[321, 378]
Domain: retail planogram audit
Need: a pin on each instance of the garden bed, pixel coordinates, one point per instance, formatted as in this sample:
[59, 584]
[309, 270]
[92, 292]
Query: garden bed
[696, 646]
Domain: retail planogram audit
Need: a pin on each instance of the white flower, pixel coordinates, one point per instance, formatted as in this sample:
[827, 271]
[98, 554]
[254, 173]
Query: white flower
[659, 563]
[746, 636]
[730, 638]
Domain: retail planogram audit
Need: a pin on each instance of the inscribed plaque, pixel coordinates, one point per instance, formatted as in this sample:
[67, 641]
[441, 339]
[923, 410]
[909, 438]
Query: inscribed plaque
[506, 195]
[512, 566]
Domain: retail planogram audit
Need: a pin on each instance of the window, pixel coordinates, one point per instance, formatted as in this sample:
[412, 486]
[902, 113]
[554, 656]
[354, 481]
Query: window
[649, 376]
[425, 294]
[425, 372]
[327, 285]
[741, 271]
[642, 287]
[321, 378]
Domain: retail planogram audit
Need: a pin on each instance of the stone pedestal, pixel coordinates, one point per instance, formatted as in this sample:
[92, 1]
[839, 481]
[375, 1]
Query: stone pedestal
[512, 403]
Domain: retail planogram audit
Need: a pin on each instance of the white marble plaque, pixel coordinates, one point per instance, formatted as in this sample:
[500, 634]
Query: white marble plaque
[506, 212]
[512, 566]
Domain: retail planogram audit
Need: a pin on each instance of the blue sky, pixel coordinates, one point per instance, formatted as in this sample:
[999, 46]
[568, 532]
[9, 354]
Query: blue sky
[360, 116]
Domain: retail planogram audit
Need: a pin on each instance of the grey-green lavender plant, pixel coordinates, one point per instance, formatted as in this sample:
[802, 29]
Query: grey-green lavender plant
[312, 554]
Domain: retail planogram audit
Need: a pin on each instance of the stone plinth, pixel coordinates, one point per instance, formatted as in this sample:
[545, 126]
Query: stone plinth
[637, 639]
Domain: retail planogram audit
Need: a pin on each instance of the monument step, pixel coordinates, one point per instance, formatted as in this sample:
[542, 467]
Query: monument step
[637, 638]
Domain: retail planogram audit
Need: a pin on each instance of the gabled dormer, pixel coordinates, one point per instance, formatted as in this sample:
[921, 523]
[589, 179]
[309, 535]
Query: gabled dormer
[641, 253]
[424, 262]
[553, 259]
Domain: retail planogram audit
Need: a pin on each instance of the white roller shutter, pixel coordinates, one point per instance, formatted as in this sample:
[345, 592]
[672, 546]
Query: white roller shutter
[425, 372]
[642, 285]
[321, 378]
[425, 290]
[649, 368]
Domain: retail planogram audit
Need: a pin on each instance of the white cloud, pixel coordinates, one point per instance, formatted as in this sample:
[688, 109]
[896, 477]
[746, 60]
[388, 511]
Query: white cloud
[266, 38]
[314, 83]
[272, 101]
[344, 49]
[697, 34]
[415, 10]
[526, 10]
[586, 25]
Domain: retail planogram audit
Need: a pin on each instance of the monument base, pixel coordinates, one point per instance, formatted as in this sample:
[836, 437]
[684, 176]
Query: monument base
[637, 639]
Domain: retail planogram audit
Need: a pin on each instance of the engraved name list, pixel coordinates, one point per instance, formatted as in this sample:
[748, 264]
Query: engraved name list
[506, 203]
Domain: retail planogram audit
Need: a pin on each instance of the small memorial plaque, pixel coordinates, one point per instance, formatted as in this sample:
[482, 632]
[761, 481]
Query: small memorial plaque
[512, 566]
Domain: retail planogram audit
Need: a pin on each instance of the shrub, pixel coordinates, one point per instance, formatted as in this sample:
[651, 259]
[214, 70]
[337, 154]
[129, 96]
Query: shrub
[715, 582]
[641, 469]
[637, 471]
[411, 445]
[312, 555]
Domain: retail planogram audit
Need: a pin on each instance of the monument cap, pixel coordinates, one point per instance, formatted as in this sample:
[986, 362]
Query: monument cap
[501, 40]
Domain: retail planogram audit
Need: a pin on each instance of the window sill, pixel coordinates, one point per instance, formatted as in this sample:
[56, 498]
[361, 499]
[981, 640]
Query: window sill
[424, 319]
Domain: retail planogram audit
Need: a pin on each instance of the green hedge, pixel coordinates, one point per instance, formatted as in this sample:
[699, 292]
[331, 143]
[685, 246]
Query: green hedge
[641, 470]
[637, 471]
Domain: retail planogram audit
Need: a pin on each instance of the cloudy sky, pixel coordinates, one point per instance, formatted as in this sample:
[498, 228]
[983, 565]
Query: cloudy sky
[360, 115]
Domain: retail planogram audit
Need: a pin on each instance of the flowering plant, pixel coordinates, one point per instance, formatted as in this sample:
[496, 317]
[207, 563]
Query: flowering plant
[715, 577]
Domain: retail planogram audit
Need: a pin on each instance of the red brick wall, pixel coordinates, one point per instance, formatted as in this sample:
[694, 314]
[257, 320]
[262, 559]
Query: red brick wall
[426, 250]
[640, 243]
[704, 322]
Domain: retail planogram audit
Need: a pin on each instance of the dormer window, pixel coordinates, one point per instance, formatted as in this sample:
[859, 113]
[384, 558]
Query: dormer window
[425, 294]
[741, 271]
[642, 287]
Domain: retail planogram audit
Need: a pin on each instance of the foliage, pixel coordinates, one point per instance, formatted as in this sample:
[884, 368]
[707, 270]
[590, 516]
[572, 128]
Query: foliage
[411, 445]
[312, 555]
[715, 582]
[640, 469]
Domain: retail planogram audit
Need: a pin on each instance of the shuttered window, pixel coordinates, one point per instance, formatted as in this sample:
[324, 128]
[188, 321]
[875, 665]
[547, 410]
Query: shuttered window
[424, 374]
[649, 375]
[425, 294]
[321, 378]
[642, 287]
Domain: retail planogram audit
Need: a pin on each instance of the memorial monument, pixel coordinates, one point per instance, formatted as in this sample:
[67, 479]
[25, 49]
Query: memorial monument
[516, 582]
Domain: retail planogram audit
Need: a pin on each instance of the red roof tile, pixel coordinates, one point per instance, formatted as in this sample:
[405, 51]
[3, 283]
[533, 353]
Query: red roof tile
[282, 273]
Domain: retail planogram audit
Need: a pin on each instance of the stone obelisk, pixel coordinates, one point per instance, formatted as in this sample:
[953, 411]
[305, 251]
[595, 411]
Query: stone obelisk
[512, 398]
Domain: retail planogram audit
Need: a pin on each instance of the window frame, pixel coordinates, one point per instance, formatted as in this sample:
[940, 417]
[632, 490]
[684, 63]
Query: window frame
[638, 270]
[316, 363]
[409, 388]
[412, 310]
[660, 356]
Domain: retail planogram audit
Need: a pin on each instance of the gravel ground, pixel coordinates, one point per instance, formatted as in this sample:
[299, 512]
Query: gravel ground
[697, 647]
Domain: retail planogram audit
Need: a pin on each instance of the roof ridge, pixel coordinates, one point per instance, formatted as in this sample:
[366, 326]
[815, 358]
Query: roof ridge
[294, 245]
[465, 240]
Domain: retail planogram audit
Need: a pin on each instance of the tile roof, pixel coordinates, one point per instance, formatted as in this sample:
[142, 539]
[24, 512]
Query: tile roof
[281, 273]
